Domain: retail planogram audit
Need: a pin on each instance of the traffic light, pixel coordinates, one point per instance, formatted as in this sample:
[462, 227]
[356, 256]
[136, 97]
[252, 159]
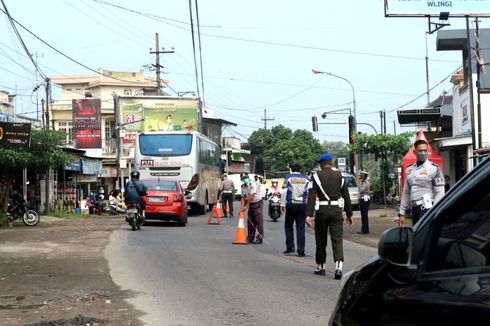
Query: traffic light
[314, 122]
[352, 122]
[229, 157]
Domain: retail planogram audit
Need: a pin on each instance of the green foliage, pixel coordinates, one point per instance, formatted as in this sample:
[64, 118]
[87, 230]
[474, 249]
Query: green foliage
[67, 215]
[42, 154]
[338, 149]
[279, 146]
[389, 149]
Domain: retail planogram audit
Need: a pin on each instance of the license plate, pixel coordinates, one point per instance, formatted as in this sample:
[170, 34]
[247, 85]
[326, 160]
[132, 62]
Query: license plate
[275, 204]
[156, 199]
[132, 210]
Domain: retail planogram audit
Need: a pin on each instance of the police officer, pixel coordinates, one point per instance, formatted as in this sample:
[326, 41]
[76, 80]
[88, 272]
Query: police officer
[227, 192]
[424, 185]
[293, 203]
[364, 200]
[333, 194]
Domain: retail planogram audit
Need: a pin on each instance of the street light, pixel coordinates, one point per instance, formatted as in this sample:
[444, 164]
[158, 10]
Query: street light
[317, 72]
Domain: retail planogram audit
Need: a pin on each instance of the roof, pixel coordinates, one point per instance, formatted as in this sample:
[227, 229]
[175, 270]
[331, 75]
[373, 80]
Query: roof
[210, 114]
[106, 77]
[456, 40]
[439, 109]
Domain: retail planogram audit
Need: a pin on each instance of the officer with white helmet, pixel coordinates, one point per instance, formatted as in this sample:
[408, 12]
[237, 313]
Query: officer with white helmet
[424, 185]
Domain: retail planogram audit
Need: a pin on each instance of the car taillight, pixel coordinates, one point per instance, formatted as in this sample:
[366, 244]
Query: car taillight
[179, 198]
[194, 182]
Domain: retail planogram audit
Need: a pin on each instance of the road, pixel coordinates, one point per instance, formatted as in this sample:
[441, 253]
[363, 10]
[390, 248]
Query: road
[194, 275]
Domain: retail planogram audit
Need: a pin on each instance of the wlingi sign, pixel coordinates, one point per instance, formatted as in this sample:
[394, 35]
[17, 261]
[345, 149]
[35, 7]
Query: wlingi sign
[15, 135]
[86, 129]
[421, 8]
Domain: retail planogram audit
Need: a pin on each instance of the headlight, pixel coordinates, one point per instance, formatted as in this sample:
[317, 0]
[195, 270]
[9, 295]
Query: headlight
[345, 278]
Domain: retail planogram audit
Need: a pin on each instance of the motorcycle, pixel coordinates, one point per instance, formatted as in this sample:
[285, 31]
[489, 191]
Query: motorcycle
[133, 216]
[18, 209]
[114, 210]
[275, 206]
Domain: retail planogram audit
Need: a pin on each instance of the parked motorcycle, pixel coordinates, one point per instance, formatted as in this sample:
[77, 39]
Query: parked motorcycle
[114, 210]
[275, 206]
[18, 209]
[134, 216]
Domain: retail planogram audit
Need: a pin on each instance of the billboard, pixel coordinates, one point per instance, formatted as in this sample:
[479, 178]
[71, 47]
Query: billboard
[141, 114]
[422, 8]
[15, 135]
[86, 131]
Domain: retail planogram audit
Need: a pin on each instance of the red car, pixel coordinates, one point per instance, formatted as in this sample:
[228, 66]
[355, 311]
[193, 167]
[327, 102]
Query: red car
[165, 201]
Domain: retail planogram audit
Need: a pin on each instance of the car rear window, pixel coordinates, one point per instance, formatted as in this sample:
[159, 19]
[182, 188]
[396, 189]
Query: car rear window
[351, 182]
[161, 185]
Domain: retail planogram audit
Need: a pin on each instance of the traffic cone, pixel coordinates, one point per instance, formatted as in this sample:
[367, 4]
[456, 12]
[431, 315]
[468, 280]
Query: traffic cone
[218, 214]
[219, 210]
[240, 237]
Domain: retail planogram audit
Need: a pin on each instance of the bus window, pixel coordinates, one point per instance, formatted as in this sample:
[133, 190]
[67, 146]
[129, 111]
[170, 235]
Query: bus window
[165, 145]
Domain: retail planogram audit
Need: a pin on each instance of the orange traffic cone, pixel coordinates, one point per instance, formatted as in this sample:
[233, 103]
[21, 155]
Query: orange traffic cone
[217, 212]
[241, 237]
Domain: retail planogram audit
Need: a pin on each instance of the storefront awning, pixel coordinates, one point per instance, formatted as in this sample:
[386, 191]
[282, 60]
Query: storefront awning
[453, 141]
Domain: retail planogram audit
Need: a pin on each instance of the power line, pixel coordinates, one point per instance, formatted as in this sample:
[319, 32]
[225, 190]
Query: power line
[11, 20]
[159, 18]
[59, 52]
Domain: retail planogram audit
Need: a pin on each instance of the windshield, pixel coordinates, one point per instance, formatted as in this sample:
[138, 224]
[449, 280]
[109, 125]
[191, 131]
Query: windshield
[351, 182]
[165, 145]
[163, 185]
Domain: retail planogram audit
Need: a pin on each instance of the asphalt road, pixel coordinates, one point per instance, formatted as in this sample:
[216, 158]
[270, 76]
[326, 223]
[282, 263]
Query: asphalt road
[194, 275]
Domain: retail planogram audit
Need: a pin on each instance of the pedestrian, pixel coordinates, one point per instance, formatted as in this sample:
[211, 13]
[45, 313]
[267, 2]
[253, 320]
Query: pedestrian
[424, 185]
[293, 203]
[333, 194]
[227, 193]
[447, 183]
[364, 200]
[253, 202]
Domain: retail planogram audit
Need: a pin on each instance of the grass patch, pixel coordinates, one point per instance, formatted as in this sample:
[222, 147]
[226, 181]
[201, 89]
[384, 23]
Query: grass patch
[67, 215]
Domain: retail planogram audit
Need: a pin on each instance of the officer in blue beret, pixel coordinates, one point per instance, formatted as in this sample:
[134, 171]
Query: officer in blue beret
[333, 194]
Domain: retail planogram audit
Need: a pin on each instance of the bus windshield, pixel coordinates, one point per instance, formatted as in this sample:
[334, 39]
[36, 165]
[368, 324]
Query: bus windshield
[165, 145]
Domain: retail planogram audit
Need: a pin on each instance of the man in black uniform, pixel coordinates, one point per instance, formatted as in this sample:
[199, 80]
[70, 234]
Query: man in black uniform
[333, 194]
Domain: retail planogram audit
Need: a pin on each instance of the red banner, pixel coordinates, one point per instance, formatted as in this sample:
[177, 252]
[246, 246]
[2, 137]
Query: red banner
[87, 132]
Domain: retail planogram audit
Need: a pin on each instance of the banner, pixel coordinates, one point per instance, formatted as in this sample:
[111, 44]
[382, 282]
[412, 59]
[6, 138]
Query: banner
[86, 129]
[141, 114]
[455, 8]
[91, 166]
[15, 135]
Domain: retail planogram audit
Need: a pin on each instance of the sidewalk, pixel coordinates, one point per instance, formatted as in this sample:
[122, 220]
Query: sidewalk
[380, 219]
[56, 274]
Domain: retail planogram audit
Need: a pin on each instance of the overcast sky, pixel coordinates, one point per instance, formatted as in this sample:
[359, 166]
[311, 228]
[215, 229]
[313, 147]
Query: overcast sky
[256, 55]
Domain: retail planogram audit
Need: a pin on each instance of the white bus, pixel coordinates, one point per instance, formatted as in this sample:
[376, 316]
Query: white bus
[185, 156]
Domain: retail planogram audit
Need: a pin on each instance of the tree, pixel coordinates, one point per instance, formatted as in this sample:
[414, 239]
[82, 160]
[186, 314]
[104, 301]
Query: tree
[279, 146]
[338, 149]
[44, 153]
[388, 148]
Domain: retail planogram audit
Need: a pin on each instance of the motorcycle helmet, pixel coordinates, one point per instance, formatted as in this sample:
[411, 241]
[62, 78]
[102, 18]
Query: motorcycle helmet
[274, 182]
[135, 175]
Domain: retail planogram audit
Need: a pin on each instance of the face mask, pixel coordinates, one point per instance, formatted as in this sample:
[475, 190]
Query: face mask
[245, 181]
[422, 156]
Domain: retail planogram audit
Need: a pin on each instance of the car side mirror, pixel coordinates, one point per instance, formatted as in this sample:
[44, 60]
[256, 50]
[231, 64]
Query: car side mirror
[395, 246]
[187, 192]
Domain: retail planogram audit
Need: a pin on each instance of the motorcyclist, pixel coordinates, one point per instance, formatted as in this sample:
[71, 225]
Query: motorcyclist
[134, 189]
[274, 190]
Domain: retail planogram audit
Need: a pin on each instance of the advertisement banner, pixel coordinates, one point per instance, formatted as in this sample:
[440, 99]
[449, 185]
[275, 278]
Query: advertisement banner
[141, 114]
[15, 135]
[91, 166]
[455, 8]
[86, 129]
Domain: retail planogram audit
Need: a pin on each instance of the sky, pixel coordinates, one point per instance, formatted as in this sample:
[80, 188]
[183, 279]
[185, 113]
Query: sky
[256, 55]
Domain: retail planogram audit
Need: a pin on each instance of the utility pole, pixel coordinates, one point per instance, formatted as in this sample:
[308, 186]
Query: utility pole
[157, 65]
[266, 118]
[384, 122]
[381, 121]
